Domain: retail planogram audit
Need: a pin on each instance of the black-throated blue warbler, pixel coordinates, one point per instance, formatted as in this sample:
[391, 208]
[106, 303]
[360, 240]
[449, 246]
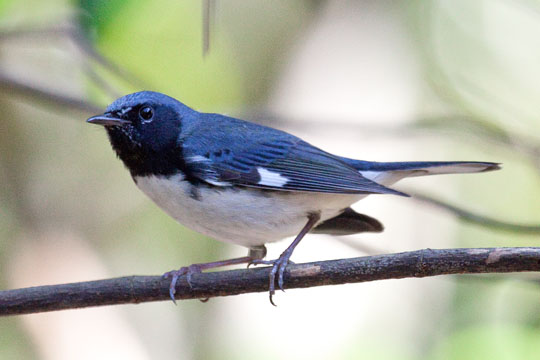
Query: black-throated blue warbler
[244, 183]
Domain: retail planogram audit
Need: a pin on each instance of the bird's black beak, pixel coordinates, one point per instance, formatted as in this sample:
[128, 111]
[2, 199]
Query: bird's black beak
[107, 120]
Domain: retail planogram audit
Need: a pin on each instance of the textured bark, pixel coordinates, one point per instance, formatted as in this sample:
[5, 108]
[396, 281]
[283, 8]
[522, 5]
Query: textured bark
[137, 289]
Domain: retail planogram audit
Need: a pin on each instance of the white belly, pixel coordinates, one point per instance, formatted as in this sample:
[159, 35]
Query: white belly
[246, 217]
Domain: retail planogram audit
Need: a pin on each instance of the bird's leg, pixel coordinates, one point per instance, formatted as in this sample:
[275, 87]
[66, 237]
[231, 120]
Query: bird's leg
[280, 264]
[255, 253]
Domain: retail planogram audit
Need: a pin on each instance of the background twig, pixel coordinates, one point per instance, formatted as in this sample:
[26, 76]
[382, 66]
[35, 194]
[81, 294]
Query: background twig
[472, 218]
[46, 97]
[137, 289]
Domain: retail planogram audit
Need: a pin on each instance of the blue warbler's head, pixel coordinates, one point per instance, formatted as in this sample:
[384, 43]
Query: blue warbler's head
[144, 129]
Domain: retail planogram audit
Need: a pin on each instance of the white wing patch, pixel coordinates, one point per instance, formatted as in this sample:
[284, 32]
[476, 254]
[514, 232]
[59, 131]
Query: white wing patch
[197, 158]
[271, 178]
[217, 183]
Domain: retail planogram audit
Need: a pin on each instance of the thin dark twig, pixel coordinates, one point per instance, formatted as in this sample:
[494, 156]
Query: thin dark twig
[207, 21]
[14, 86]
[100, 81]
[34, 32]
[476, 219]
[77, 36]
[87, 48]
[138, 289]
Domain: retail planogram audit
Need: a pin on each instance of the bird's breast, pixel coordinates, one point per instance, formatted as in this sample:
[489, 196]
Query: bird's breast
[239, 215]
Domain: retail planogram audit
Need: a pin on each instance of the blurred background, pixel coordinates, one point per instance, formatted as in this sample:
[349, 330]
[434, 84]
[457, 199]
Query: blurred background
[376, 80]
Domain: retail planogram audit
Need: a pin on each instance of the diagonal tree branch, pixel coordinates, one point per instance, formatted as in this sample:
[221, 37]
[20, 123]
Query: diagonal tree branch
[138, 289]
[12, 86]
[476, 219]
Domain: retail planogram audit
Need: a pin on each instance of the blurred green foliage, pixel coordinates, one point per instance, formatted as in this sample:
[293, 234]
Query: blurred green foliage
[4, 3]
[145, 38]
[499, 342]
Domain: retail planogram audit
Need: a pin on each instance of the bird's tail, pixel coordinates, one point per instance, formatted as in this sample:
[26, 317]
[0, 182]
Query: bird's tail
[387, 173]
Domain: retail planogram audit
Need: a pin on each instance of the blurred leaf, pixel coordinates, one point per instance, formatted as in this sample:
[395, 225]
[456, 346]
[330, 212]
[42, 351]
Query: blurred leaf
[96, 14]
[160, 41]
[3, 4]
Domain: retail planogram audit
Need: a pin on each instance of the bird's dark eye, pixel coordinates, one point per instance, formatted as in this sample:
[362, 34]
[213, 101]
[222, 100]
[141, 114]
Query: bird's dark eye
[146, 113]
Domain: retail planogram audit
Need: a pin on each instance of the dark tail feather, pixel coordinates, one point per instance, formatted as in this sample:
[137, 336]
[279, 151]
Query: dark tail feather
[347, 223]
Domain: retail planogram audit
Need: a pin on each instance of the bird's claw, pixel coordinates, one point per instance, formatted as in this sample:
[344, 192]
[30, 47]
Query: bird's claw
[278, 268]
[175, 274]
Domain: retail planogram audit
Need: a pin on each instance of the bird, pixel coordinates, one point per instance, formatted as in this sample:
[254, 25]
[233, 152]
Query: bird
[245, 183]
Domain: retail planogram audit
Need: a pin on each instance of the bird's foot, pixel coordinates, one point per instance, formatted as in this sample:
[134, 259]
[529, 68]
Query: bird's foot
[175, 274]
[278, 268]
[198, 268]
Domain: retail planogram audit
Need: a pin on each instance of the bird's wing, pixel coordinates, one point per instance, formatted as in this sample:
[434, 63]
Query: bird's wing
[277, 161]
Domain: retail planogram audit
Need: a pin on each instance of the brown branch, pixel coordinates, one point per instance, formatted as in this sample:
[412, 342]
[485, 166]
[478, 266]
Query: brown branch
[138, 289]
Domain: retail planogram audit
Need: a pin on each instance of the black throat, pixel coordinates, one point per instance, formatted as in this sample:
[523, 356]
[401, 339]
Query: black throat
[144, 161]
